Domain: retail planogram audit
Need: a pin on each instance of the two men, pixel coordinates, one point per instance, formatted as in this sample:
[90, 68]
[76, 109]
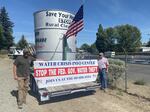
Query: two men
[103, 69]
[21, 71]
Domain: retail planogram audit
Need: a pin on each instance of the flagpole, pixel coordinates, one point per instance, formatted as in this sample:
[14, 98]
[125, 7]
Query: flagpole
[64, 57]
[83, 1]
[73, 29]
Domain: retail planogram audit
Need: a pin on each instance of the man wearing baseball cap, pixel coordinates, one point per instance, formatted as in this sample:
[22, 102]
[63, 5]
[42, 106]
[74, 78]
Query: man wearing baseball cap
[21, 71]
[103, 69]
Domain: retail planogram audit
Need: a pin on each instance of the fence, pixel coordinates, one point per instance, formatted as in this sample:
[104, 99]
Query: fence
[141, 59]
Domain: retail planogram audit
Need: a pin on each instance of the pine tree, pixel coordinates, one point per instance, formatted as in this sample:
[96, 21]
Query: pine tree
[7, 26]
[101, 41]
[1, 37]
[22, 42]
[148, 43]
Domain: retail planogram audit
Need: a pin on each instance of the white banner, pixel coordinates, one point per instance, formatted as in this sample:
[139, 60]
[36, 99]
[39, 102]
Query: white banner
[56, 73]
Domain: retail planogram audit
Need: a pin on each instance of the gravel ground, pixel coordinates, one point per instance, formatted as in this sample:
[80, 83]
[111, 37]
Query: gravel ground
[137, 100]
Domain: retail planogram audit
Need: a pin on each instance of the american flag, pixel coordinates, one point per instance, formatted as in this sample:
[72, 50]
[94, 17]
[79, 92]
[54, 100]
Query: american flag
[76, 25]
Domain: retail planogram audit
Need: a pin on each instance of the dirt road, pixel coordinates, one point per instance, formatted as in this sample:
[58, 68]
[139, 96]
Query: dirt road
[112, 101]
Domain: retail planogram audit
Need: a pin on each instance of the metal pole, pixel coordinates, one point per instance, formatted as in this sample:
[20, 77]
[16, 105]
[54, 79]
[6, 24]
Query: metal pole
[126, 72]
[56, 49]
[125, 53]
[64, 57]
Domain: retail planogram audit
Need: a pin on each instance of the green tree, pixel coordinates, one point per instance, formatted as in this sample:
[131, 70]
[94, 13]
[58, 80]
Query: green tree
[22, 43]
[101, 40]
[128, 41]
[112, 36]
[129, 38]
[1, 37]
[93, 49]
[148, 43]
[7, 26]
[85, 47]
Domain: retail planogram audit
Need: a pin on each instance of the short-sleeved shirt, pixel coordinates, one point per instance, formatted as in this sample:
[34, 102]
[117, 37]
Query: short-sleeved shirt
[103, 63]
[23, 66]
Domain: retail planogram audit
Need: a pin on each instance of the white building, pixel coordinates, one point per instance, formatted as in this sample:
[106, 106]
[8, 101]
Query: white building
[145, 49]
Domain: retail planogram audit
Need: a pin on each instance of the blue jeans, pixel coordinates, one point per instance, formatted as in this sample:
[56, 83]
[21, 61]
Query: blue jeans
[103, 78]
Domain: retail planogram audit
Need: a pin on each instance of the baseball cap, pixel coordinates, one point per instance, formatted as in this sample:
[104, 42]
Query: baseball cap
[25, 51]
[101, 54]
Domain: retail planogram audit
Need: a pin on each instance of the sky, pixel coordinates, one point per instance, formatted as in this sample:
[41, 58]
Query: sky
[109, 13]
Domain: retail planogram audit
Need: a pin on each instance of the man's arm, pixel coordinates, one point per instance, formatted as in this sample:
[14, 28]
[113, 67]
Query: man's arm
[107, 65]
[14, 72]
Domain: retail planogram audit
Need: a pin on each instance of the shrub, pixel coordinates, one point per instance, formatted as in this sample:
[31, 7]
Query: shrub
[3, 52]
[115, 71]
[140, 82]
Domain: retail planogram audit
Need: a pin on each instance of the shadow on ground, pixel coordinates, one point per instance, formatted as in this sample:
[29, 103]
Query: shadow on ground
[138, 96]
[63, 97]
[14, 93]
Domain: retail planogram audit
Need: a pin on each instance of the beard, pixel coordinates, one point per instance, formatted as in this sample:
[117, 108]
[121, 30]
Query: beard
[25, 56]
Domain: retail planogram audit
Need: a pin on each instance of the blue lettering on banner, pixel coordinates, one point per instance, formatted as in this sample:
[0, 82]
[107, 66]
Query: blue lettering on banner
[64, 63]
[67, 79]
[41, 64]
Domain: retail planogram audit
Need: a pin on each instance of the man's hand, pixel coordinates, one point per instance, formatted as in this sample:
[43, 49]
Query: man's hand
[15, 77]
[106, 70]
[14, 72]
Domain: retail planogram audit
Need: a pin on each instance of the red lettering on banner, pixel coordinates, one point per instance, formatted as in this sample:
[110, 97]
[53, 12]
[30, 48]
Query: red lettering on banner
[71, 70]
[92, 69]
[61, 71]
[52, 72]
[48, 72]
[41, 73]
[82, 70]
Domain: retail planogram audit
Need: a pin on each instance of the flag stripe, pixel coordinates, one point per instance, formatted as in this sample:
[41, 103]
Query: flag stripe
[76, 25]
[73, 32]
[77, 29]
